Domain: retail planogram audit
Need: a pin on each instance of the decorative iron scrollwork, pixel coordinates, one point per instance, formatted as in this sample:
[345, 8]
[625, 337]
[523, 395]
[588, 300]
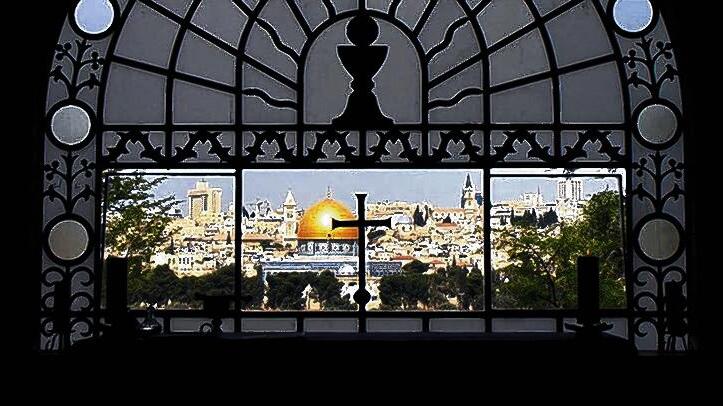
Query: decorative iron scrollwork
[79, 62]
[655, 167]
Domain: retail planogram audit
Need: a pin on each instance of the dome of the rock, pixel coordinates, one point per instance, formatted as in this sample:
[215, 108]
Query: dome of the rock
[316, 222]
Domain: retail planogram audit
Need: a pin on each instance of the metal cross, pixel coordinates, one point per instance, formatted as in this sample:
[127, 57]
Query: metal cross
[361, 296]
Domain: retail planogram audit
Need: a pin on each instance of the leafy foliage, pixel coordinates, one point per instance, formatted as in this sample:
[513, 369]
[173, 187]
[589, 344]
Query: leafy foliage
[417, 288]
[547, 219]
[543, 262]
[326, 289]
[286, 291]
[137, 222]
[161, 286]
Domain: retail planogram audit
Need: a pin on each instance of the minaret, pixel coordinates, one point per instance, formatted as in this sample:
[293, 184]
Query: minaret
[539, 199]
[291, 219]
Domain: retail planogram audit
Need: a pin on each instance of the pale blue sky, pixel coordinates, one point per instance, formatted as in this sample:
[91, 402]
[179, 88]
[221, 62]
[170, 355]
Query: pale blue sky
[180, 185]
[440, 187]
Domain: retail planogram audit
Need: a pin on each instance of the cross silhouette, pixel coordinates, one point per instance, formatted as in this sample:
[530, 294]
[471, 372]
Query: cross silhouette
[361, 296]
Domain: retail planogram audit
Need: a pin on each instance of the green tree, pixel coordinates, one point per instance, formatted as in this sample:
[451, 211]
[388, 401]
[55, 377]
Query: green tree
[327, 290]
[253, 288]
[391, 288]
[136, 220]
[536, 266]
[543, 262]
[218, 283]
[404, 291]
[474, 290]
[416, 291]
[528, 218]
[413, 289]
[160, 284]
[419, 218]
[415, 266]
[285, 290]
[548, 219]
[601, 230]
[156, 286]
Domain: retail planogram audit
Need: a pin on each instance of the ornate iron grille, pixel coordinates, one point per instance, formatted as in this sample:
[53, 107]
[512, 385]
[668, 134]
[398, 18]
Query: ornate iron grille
[631, 69]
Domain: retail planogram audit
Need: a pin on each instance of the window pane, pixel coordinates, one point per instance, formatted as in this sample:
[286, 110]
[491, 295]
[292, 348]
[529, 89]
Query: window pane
[542, 224]
[177, 231]
[429, 259]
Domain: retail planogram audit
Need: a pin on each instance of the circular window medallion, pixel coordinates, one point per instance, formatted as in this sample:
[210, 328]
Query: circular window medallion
[94, 17]
[68, 240]
[633, 16]
[70, 124]
[659, 239]
[657, 124]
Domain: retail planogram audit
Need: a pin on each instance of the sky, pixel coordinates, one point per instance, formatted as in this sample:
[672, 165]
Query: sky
[180, 185]
[439, 187]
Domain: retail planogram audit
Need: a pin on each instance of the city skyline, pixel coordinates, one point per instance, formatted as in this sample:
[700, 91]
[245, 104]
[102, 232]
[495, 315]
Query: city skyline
[180, 185]
[442, 188]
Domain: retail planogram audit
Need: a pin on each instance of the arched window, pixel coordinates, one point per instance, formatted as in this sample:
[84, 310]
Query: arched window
[232, 95]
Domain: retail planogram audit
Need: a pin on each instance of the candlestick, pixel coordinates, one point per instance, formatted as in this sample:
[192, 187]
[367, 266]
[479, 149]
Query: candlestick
[588, 297]
[588, 290]
[117, 291]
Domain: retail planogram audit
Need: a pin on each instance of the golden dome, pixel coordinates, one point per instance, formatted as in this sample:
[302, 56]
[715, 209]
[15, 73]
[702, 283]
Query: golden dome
[316, 222]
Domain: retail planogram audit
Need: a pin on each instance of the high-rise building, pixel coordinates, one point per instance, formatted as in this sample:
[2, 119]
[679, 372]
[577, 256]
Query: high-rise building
[204, 200]
[570, 189]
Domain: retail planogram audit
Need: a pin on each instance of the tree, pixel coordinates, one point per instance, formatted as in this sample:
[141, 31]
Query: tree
[474, 290]
[253, 287]
[285, 290]
[535, 265]
[528, 218]
[415, 266]
[548, 219]
[403, 291]
[601, 229]
[161, 284]
[327, 289]
[137, 223]
[413, 289]
[419, 219]
[543, 262]
[156, 286]
[391, 288]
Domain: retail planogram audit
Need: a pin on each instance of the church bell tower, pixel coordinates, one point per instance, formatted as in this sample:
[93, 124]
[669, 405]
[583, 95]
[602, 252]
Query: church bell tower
[468, 201]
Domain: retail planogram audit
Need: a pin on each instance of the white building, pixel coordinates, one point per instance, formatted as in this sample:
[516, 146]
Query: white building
[570, 189]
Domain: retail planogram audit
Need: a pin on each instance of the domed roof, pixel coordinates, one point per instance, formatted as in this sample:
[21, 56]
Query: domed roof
[399, 218]
[316, 222]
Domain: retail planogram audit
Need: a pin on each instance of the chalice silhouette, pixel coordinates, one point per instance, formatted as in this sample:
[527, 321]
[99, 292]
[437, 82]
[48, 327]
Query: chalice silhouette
[363, 61]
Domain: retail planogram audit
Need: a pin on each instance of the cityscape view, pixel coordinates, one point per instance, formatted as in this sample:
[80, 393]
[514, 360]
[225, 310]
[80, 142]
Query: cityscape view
[432, 257]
